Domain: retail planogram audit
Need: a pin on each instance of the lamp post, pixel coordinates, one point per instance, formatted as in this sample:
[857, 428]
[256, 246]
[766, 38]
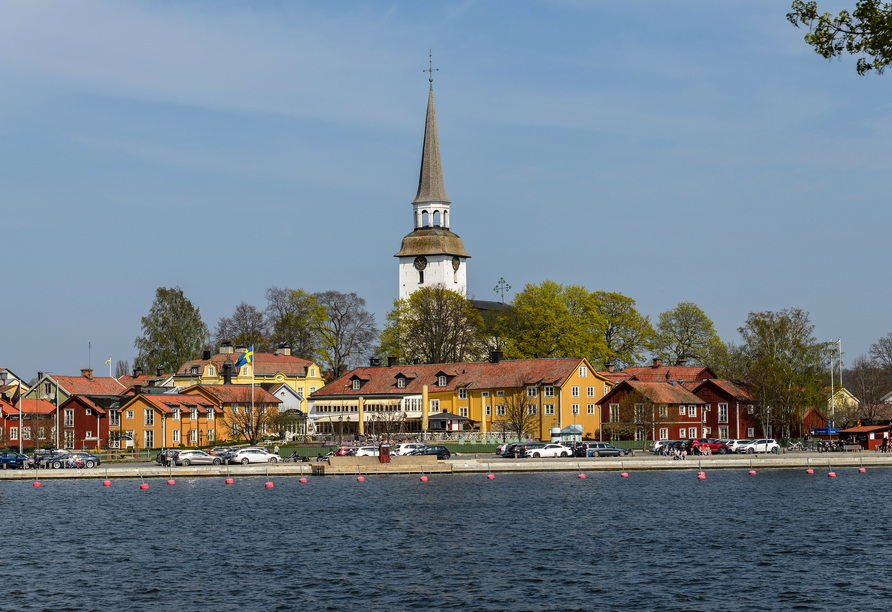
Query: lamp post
[340, 429]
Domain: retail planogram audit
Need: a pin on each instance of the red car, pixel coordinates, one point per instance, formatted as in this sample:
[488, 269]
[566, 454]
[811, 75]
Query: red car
[714, 446]
[345, 451]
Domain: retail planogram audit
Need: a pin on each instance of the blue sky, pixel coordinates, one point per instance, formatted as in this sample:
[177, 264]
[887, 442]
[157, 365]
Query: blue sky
[672, 151]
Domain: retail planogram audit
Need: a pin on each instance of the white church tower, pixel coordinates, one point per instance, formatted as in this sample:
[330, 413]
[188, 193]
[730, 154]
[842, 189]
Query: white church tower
[431, 254]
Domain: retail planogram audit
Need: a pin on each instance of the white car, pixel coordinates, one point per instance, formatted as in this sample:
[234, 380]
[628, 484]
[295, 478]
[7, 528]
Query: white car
[766, 445]
[550, 450]
[734, 445]
[366, 451]
[405, 448]
[253, 455]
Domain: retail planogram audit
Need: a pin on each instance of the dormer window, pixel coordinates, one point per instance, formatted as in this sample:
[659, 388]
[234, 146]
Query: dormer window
[356, 385]
[210, 370]
[401, 383]
[441, 381]
[194, 370]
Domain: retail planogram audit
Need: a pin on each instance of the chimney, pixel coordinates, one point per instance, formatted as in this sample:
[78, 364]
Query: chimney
[87, 372]
[495, 356]
[610, 367]
[416, 361]
[284, 349]
[681, 362]
[159, 371]
[241, 348]
[137, 371]
[227, 372]
[657, 362]
[226, 348]
[137, 389]
[374, 362]
[206, 355]
[391, 361]
[39, 375]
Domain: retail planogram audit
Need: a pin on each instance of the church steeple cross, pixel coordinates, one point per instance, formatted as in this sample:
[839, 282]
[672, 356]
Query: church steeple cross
[430, 70]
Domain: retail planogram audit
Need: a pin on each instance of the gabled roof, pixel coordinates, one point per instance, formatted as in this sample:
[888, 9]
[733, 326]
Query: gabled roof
[381, 380]
[664, 373]
[84, 401]
[169, 404]
[232, 394]
[81, 385]
[265, 364]
[446, 416]
[656, 391]
[28, 406]
[737, 389]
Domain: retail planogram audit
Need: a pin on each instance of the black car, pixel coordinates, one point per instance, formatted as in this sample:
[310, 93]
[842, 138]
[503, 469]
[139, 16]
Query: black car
[602, 449]
[13, 460]
[441, 452]
[510, 451]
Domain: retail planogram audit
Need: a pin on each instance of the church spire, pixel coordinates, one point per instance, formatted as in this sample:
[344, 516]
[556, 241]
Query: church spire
[430, 183]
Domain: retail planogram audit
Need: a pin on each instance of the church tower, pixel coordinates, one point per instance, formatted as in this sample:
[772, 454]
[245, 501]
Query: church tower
[431, 254]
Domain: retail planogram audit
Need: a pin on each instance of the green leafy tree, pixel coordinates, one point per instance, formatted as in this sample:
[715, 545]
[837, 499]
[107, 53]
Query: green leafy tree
[627, 335]
[727, 360]
[348, 332]
[685, 333]
[786, 366]
[172, 333]
[434, 324]
[295, 318]
[551, 320]
[866, 31]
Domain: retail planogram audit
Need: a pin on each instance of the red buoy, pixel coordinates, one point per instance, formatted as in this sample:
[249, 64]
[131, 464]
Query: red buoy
[752, 472]
[144, 486]
[171, 481]
[302, 480]
[491, 476]
[37, 484]
[809, 471]
[269, 485]
[701, 475]
[862, 470]
[360, 479]
[423, 479]
[831, 475]
[106, 483]
[625, 474]
[582, 476]
[229, 481]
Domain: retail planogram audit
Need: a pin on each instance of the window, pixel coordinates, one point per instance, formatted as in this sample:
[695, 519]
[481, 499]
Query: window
[692, 411]
[356, 385]
[234, 428]
[194, 414]
[130, 414]
[606, 388]
[26, 433]
[549, 409]
[574, 391]
[583, 371]
[235, 409]
[664, 433]
[549, 391]
[703, 415]
[707, 431]
[639, 434]
[88, 411]
[420, 277]
[591, 391]
[13, 433]
[682, 410]
[176, 414]
[245, 371]
[210, 435]
[575, 408]
[500, 393]
[89, 435]
[749, 410]
[41, 433]
[114, 418]
[149, 418]
[313, 372]
[211, 413]
[463, 411]
[531, 409]
[489, 411]
[210, 370]
[723, 414]
[176, 436]
[69, 417]
[69, 439]
[500, 410]
[435, 405]
[614, 413]
[484, 394]
[441, 381]
[591, 409]
[462, 394]
[193, 436]
[532, 392]
[664, 411]
[47, 388]
[723, 432]
[692, 432]
[750, 432]
[312, 390]
[638, 414]
[194, 370]
[149, 436]
[682, 432]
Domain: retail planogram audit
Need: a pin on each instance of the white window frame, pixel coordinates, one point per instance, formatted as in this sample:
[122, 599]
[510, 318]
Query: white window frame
[88, 411]
[193, 436]
[500, 409]
[26, 433]
[750, 432]
[692, 433]
[400, 383]
[692, 411]
[13, 433]
[723, 413]
[664, 411]
[574, 391]
[114, 418]
[129, 415]
[355, 385]
[442, 381]
[194, 414]
[532, 391]
[590, 390]
[484, 394]
[614, 413]
[462, 394]
[434, 406]
[176, 414]
[548, 391]
[69, 417]
[549, 409]
[175, 436]
[682, 410]
[149, 418]
[583, 371]
[463, 411]
[489, 411]
[211, 413]
[575, 409]
[664, 433]
[500, 393]
[210, 435]
[591, 409]
[532, 410]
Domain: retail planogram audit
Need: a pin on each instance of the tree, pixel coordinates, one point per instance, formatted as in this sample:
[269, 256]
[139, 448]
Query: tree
[881, 351]
[520, 416]
[685, 333]
[294, 318]
[786, 365]
[550, 320]
[869, 382]
[625, 332]
[122, 368]
[727, 360]
[247, 326]
[173, 332]
[287, 421]
[348, 332]
[247, 422]
[434, 324]
[865, 31]
[639, 416]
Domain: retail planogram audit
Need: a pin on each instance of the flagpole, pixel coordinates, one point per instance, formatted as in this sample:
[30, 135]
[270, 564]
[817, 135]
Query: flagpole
[21, 430]
[253, 416]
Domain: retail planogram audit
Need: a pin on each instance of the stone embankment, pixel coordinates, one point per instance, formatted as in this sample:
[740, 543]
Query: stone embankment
[363, 466]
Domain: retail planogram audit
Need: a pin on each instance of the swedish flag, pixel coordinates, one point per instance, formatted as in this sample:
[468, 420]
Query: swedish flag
[246, 357]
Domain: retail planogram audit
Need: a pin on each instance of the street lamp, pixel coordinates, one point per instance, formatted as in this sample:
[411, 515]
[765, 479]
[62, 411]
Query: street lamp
[340, 429]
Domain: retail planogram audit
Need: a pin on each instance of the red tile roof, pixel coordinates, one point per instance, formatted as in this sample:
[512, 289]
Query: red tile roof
[656, 391]
[83, 400]
[674, 373]
[234, 393]
[381, 380]
[28, 406]
[80, 385]
[143, 379]
[738, 389]
[185, 403]
[265, 364]
[615, 377]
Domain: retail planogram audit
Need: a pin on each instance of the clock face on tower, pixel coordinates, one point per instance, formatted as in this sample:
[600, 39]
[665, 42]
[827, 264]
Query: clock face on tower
[420, 262]
[456, 263]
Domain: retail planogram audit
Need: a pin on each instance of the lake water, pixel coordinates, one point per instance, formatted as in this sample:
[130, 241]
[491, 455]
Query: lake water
[654, 541]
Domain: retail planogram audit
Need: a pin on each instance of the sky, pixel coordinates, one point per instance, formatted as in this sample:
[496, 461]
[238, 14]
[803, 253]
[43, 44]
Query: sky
[690, 150]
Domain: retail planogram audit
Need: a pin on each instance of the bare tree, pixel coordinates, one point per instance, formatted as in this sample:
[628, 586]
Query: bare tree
[348, 333]
[638, 416]
[388, 423]
[247, 326]
[122, 368]
[250, 423]
[881, 351]
[521, 412]
[869, 382]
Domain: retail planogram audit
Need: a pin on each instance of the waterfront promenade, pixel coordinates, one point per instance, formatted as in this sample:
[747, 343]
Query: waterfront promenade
[471, 463]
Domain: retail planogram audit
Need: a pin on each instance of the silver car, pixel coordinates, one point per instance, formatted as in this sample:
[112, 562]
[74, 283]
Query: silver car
[253, 455]
[196, 457]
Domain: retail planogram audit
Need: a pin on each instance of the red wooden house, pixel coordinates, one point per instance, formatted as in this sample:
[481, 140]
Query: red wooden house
[28, 424]
[83, 423]
[674, 412]
[729, 411]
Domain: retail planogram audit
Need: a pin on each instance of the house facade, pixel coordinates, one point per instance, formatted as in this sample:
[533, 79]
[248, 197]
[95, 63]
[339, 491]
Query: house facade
[28, 424]
[168, 420]
[653, 410]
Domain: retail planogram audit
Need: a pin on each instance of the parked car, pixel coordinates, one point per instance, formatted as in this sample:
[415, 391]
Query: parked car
[523, 449]
[62, 459]
[405, 448]
[196, 457]
[602, 449]
[89, 460]
[218, 450]
[500, 450]
[734, 445]
[765, 445]
[714, 446]
[165, 456]
[367, 451]
[345, 451]
[658, 446]
[253, 455]
[510, 451]
[11, 459]
[441, 452]
[550, 450]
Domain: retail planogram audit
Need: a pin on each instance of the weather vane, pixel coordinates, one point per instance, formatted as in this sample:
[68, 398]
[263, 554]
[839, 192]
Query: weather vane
[430, 70]
[501, 287]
